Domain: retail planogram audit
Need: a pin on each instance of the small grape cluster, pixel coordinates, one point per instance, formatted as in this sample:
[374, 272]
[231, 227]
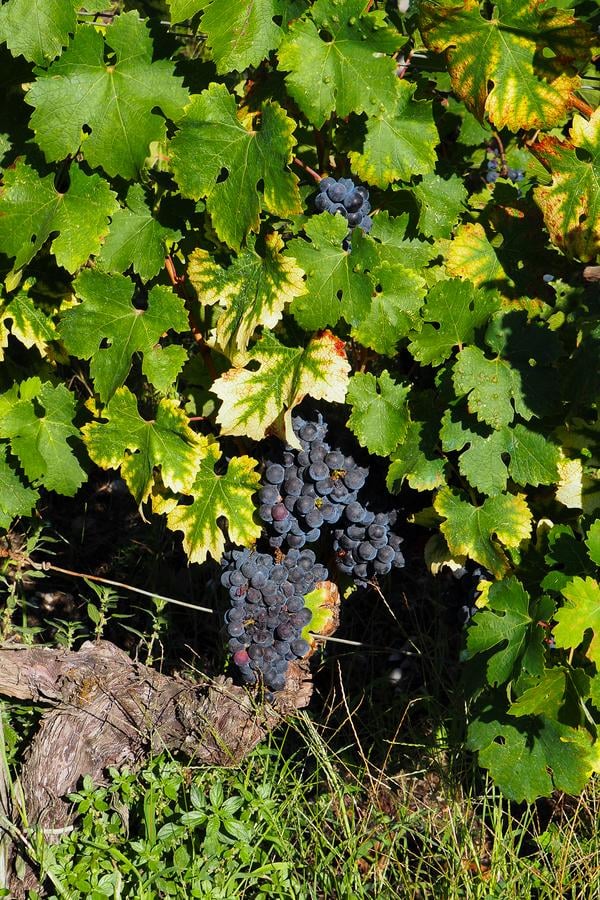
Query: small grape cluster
[267, 612]
[365, 546]
[494, 169]
[307, 489]
[345, 198]
[473, 592]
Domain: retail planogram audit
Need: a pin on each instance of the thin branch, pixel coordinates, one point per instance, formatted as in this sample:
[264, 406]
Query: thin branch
[581, 105]
[308, 169]
[502, 153]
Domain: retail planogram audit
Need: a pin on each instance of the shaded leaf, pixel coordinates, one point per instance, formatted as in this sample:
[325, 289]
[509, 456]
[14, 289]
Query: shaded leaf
[503, 627]
[16, 499]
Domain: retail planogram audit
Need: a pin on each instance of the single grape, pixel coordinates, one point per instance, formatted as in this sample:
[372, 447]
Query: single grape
[336, 192]
[275, 473]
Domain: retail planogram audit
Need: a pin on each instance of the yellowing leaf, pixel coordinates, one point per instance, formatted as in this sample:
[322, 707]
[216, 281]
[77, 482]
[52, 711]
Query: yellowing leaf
[213, 496]
[570, 484]
[571, 204]
[517, 65]
[252, 291]
[253, 399]
[480, 532]
[139, 445]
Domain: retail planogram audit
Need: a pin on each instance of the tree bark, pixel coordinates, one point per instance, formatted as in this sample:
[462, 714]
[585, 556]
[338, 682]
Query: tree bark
[108, 710]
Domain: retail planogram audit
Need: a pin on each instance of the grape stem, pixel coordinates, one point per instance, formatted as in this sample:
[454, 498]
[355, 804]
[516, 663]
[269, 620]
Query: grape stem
[502, 153]
[581, 105]
[308, 169]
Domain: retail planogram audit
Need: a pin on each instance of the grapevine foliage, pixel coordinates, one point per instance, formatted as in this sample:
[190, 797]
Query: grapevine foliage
[386, 212]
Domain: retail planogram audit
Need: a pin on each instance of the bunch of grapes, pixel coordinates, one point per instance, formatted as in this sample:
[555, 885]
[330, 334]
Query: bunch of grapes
[364, 544]
[345, 198]
[307, 489]
[267, 611]
[494, 169]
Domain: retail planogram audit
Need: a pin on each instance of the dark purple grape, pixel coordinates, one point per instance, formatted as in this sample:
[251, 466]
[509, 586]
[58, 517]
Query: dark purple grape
[336, 192]
[275, 473]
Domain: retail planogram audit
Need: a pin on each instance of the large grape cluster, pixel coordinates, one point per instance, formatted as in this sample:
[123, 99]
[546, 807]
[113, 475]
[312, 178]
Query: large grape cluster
[267, 612]
[346, 198]
[308, 488]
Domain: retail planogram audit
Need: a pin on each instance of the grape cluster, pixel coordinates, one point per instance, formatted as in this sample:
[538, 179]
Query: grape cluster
[307, 489]
[345, 198]
[364, 544]
[267, 611]
[494, 169]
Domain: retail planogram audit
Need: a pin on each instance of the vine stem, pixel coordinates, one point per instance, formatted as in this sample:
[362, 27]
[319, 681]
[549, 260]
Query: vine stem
[581, 105]
[308, 169]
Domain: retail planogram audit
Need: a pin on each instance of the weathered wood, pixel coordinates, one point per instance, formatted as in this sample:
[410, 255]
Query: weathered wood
[107, 710]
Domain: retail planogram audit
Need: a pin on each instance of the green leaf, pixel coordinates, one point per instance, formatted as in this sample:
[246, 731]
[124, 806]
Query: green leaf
[242, 34]
[185, 9]
[534, 757]
[480, 532]
[28, 323]
[379, 416]
[580, 613]
[505, 621]
[390, 233]
[556, 693]
[119, 98]
[592, 541]
[514, 66]
[138, 446]
[571, 203]
[492, 387]
[566, 556]
[106, 315]
[337, 284]
[37, 29]
[15, 498]
[452, 312]
[136, 239]
[528, 457]
[441, 201]
[394, 308]
[253, 399]
[37, 418]
[335, 61]
[252, 291]
[400, 140]
[417, 458]
[31, 209]
[218, 156]
[162, 365]
[213, 496]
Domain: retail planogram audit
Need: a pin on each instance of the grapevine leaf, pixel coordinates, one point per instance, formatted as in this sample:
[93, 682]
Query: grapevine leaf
[452, 312]
[242, 34]
[379, 416]
[336, 282]
[15, 498]
[390, 232]
[480, 531]
[400, 140]
[417, 459]
[441, 201]
[254, 399]
[529, 759]
[556, 693]
[106, 328]
[28, 323]
[569, 490]
[138, 446]
[514, 66]
[394, 308]
[566, 556]
[592, 542]
[37, 29]
[502, 627]
[213, 496]
[136, 239]
[491, 385]
[470, 255]
[571, 203]
[218, 156]
[335, 60]
[37, 418]
[31, 209]
[185, 9]
[253, 290]
[162, 365]
[119, 98]
[580, 613]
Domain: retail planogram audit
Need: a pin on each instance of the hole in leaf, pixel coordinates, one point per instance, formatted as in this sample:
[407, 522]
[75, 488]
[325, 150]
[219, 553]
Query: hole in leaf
[86, 129]
[105, 343]
[62, 180]
[278, 20]
[223, 175]
[326, 36]
[340, 294]
[260, 185]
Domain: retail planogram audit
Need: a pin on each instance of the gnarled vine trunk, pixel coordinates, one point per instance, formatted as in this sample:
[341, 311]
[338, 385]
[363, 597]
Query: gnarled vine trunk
[108, 710]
